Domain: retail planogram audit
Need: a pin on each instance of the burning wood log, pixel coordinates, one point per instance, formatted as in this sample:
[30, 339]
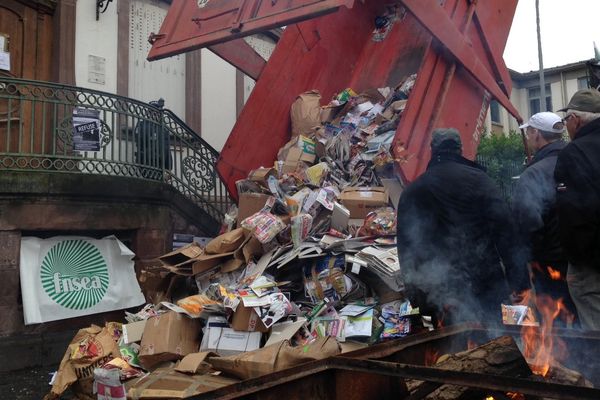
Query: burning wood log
[501, 356]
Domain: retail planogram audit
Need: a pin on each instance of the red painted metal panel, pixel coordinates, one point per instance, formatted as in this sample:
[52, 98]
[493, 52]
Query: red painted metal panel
[192, 24]
[242, 56]
[336, 51]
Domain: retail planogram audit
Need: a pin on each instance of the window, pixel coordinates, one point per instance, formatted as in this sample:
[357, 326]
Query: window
[534, 100]
[495, 112]
[582, 83]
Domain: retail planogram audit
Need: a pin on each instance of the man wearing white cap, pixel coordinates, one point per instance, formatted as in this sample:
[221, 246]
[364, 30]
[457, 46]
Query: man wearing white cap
[534, 209]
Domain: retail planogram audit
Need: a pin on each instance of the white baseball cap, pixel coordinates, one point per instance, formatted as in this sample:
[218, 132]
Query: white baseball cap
[545, 121]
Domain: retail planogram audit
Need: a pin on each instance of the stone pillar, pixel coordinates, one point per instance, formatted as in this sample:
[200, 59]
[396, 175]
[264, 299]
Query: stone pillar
[11, 307]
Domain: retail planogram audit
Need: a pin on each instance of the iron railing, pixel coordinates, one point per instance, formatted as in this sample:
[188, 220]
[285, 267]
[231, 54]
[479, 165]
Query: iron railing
[134, 139]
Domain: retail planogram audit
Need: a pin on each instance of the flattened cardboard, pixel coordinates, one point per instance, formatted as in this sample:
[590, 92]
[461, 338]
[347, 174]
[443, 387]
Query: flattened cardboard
[251, 203]
[226, 243]
[195, 363]
[284, 331]
[168, 337]
[362, 200]
[276, 357]
[246, 319]
[180, 261]
[165, 383]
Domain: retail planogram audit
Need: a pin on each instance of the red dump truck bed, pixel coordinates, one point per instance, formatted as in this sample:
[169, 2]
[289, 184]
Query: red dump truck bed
[454, 47]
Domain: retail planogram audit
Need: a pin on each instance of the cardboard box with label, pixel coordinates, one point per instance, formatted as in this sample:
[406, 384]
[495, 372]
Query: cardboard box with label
[227, 342]
[298, 149]
[362, 200]
[246, 319]
[168, 337]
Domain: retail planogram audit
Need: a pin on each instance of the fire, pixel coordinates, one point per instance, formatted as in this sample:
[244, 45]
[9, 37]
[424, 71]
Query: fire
[431, 356]
[554, 273]
[541, 348]
[515, 396]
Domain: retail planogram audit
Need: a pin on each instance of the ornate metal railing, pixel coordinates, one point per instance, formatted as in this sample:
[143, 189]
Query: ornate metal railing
[130, 138]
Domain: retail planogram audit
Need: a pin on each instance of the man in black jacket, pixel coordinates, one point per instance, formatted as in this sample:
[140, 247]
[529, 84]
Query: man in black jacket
[534, 209]
[454, 228]
[577, 175]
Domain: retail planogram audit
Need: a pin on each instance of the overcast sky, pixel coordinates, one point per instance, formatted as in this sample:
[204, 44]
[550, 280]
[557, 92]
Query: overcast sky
[568, 28]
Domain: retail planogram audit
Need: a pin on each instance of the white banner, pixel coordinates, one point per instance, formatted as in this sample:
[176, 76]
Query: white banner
[70, 276]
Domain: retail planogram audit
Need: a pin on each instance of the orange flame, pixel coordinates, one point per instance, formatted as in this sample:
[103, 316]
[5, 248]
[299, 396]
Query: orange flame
[471, 344]
[541, 348]
[431, 356]
[554, 273]
[515, 396]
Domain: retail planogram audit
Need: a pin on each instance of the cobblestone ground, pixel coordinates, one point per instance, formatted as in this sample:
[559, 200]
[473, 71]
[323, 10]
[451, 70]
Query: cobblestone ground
[26, 384]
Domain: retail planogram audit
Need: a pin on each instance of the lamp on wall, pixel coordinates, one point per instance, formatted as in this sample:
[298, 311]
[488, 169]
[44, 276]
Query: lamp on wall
[101, 6]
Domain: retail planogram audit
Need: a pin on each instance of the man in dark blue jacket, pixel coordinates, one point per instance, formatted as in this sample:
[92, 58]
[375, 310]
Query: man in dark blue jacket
[577, 175]
[456, 240]
[534, 208]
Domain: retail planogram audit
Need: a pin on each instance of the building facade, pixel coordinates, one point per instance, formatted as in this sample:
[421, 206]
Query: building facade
[561, 83]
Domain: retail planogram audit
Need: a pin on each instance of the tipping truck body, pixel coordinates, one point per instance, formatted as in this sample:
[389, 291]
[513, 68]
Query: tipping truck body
[454, 46]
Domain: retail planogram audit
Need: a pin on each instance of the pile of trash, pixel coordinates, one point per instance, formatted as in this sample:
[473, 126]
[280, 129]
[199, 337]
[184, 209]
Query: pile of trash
[306, 267]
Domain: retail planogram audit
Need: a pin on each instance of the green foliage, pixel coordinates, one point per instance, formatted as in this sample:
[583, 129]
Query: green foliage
[504, 158]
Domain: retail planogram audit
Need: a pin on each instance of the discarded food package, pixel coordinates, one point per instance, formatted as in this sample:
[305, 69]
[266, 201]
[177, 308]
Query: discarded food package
[518, 315]
[168, 337]
[166, 383]
[275, 357]
[89, 349]
[324, 278]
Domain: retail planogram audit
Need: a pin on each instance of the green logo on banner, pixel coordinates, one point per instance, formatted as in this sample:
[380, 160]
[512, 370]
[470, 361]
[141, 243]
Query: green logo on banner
[74, 274]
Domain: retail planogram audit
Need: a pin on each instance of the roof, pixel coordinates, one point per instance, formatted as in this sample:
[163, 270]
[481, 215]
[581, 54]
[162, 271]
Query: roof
[518, 76]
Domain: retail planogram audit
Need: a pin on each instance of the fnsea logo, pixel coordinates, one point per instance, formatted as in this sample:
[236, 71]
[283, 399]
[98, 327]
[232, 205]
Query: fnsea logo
[74, 274]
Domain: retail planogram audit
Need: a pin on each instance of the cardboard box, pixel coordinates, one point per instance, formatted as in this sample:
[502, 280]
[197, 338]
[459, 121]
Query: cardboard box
[168, 337]
[261, 175]
[227, 342]
[133, 331]
[246, 319]
[362, 200]
[298, 149]
[251, 203]
[165, 383]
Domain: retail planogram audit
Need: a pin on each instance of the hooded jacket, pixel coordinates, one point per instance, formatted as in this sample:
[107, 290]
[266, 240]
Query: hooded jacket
[454, 228]
[577, 175]
[534, 207]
